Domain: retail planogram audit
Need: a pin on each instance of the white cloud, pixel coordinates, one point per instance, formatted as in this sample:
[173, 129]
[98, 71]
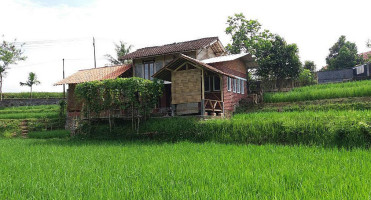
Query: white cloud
[57, 32]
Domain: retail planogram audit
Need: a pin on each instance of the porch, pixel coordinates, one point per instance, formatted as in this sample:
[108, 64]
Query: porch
[196, 88]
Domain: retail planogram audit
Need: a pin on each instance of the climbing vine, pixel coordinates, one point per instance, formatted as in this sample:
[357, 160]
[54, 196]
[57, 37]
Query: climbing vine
[135, 96]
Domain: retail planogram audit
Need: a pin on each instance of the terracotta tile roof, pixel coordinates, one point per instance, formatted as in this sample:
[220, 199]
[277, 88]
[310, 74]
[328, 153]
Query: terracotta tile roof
[95, 74]
[365, 55]
[164, 74]
[171, 48]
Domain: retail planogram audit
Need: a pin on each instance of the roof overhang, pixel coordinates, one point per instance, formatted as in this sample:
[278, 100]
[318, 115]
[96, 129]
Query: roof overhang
[95, 74]
[165, 72]
[248, 59]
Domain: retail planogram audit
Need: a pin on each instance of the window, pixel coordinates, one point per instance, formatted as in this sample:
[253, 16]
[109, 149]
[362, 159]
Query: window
[207, 83]
[242, 87]
[149, 70]
[216, 83]
[234, 85]
[229, 84]
[238, 86]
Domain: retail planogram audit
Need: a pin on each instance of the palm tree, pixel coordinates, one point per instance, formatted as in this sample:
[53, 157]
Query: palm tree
[32, 80]
[121, 50]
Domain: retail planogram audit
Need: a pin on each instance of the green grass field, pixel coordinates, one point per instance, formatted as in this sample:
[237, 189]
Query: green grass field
[35, 95]
[39, 118]
[323, 91]
[65, 169]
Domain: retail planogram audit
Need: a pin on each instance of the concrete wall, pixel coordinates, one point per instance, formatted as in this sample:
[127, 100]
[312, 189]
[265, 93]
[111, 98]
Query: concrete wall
[28, 102]
[335, 76]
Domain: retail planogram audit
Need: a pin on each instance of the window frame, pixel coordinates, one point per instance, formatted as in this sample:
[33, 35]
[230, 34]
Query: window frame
[238, 86]
[208, 82]
[214, 83]
[147, 68]
[234, 85]
[229, 84]
[242, 87]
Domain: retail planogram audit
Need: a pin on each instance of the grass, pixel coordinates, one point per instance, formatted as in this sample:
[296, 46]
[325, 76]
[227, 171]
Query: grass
[323, 91]
[35, 95]
[39, 118]
[65, 169]
[49, 134]
[325, 128]
[30, 112]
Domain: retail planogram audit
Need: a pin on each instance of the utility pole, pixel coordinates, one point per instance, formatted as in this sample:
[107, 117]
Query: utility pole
[64, 86]
[95, 61]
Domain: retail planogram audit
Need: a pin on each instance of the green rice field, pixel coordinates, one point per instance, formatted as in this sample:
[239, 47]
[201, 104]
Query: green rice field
[65, 169]
[323, 91]
[35, 95]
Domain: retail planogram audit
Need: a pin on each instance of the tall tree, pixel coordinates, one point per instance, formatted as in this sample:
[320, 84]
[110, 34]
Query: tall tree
[245, 34]
[31, 81]
[309, 65]
[343, 54]
[121, 49]
[9, 54]
[278, 60]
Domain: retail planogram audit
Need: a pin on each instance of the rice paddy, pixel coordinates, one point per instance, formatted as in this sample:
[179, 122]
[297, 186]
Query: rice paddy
[323, 91]
[64, 169]
[35, 95]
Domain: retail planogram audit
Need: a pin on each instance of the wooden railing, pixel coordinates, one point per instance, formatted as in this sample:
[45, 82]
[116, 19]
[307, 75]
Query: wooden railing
[213, 105]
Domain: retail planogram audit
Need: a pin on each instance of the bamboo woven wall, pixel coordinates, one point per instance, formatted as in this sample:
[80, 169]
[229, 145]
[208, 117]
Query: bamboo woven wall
[186, 86]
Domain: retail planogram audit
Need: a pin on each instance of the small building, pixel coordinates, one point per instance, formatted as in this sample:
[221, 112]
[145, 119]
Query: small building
[360, 72]
[200, 77]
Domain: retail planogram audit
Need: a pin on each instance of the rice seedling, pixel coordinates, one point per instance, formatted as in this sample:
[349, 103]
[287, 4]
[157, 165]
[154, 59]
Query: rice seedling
[71, 169]
[49, 134]
[35, 95]
[324, 91]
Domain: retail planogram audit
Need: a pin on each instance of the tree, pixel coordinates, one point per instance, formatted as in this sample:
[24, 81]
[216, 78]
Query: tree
[278, 60]
[9, 54]
[245, 34]
[121, 50]
[343, 54]
[306, 77]
[309, 65]
[31, 81]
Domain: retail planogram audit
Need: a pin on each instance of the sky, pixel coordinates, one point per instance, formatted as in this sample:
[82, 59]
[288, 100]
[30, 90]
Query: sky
[57, 29]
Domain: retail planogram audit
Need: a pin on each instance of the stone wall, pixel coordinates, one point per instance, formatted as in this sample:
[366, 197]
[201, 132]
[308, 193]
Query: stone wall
[29, 102]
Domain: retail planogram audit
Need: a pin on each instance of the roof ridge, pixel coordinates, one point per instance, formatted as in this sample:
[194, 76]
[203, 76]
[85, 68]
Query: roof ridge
[216, 37]
[105, 67]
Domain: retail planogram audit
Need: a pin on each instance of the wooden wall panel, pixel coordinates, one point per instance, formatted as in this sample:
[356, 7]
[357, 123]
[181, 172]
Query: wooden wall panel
[186, 86]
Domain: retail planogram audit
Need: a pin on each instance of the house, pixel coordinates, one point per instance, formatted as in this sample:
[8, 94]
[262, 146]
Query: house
[200, 78]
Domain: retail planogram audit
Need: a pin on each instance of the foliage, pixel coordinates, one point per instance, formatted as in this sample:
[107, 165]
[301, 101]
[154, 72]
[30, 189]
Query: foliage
[279, 60]
[35, 95]
[343, 54]
[49, 134]
[306, 77]
[9, 54]
[151, 170]
[276, 58]
[32, 80]
[136, 95]
[121, 50]
[323, 91]
[245, 34]
[309, 65]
